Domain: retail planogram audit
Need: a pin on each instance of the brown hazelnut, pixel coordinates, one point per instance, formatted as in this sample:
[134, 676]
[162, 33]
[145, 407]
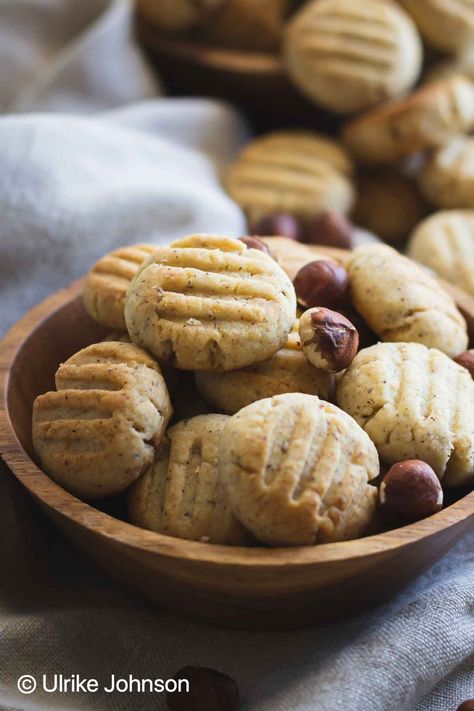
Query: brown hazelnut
[328, 339]
[410, 491]
[256, 243]
[321, 283]
[467, 361]
[278, 225]
[331, 229]
[466, 705]
[208, 689]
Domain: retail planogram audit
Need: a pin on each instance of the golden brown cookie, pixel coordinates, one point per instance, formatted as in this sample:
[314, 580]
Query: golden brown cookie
[414, 403]
[426, 119]
[447, 180]
[389, 205]
[349, 55]
[288, 371]
[107, 282]
[445, 24]
[297, 469]
[97, 433]
[181, 494]
[291, 171]
[208, 303]
[402, 302]
[444, 242]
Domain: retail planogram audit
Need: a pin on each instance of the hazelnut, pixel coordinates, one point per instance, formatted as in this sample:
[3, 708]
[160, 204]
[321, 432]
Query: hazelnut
[410, 491]
[466, 705]
[467, 361]
[328, 339]
[256, 243]
[332, 229]
[278, 225]
[208, 689]
[321, 283]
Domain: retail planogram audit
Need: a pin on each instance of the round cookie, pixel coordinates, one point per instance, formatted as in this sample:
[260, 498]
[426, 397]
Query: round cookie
[349, 55]
[296, 471]
[96, 434]
[208, 303]
[445, 24]
[428, 118]
[288, 371]
[414, 403]
[181, 494]
[400, 301]
[447, 180]
[389, 205]
[298, 172]
[106, 284]
[444, 242]
[178, 16]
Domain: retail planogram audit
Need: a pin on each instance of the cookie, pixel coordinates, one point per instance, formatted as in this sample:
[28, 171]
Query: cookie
[107, 282]
[288, 371]
[208, 303]
[444, 242]
[447, 180]
[349, 55]
[402, 302]
[181, 494]
[297, 172]
[389, 205]
[178, 16]
[414, 403]
[296, 471]
[96, 434]
[426, 119]
[445, 24]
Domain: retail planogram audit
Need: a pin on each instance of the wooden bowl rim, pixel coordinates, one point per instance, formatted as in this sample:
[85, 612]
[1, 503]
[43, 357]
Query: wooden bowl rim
[44, 489]
[209, 56]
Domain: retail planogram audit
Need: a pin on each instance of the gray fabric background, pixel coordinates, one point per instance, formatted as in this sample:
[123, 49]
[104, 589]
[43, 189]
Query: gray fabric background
[110, 164]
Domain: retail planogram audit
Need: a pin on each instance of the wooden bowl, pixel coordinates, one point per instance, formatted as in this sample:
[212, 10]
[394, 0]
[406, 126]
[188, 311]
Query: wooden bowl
[238, 587]
[255, 81]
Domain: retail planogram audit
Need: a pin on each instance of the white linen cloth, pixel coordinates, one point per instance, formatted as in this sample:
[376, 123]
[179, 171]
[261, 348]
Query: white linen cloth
[91, 159]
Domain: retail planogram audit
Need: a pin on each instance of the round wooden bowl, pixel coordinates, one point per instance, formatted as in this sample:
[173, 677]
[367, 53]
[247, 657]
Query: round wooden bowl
[254, 81]
[238, 587]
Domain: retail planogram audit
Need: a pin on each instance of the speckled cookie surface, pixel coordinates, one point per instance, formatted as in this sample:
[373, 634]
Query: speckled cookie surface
[447, 179]
[299, 172]
[402, 302]
[349, 55]
[107, 282]
[181, 493]
[444, 242]
[296, 471]
[208, 303]
[414, 403]
[288, 371]
[426, 119]
[96, 434]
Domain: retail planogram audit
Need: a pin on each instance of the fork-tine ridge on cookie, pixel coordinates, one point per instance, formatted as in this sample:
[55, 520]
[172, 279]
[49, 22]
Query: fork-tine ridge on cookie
[96, 434]
[414, 403]
[209, 303]
[291, 171]
[287, 371]
[181, 494]
[297, 469]
[107, 282]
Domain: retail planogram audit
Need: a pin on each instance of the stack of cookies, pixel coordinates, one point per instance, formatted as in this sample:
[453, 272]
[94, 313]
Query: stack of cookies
[293, 410]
